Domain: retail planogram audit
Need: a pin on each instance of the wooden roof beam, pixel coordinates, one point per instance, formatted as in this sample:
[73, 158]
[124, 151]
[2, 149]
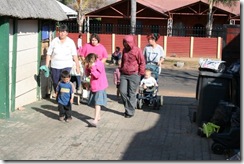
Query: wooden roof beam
[205, 11]
[192, 10]
[140, 10]
[117, 11]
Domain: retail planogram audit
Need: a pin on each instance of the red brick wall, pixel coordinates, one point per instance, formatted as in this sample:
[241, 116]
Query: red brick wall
[106, 40]
[206, 47]
[178, 46]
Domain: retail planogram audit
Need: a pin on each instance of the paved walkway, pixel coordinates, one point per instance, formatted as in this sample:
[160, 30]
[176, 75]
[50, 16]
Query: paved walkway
[167, 134]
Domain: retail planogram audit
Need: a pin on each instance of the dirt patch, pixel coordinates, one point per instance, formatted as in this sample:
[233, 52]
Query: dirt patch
[181, 63]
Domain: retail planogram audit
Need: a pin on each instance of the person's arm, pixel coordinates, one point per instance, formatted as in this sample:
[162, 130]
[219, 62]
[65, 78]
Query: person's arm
[96, 69]
[161, 61]
[72, 93]
[49, 53]
[144, 53]
[162, 57]
[104, 60]
[141, 83]
[155, 82]
[119, 55]
[75, 58]
[75, 54]
[82, 51]
[48, 58]
[57, 89]
[79, 43]
[141, 62]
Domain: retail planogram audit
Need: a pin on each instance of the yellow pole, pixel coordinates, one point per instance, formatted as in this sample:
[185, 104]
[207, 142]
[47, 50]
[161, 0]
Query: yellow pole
[165, 45]
[191, 47]
[218, 47]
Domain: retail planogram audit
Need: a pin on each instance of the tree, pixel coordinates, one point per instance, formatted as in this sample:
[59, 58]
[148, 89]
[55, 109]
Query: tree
[84, 6]
[80, 16]
[133, 17]
[209, 25]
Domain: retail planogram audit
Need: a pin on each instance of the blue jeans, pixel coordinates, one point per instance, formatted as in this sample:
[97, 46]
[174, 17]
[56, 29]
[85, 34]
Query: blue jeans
[77, 80]
[56, 74]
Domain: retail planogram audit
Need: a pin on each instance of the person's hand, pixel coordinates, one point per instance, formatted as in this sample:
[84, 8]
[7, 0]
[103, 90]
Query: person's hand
[78, 69]
[71, 101]
[91, 64]
[87, 65]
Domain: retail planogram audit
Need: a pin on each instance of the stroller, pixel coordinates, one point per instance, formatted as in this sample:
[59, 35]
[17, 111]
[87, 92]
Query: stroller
[150, 96]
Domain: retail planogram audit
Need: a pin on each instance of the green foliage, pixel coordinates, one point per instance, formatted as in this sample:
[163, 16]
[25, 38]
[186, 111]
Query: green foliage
[87, 5]
[224, 2]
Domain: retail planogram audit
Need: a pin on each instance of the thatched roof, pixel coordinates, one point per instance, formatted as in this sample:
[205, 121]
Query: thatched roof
[36, 9]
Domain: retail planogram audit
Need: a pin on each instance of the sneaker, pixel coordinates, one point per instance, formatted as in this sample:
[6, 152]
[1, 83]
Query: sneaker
[127, 115]
[61, 119]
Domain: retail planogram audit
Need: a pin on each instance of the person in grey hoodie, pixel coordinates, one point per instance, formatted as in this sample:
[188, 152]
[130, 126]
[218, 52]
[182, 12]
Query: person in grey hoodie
[132, 68]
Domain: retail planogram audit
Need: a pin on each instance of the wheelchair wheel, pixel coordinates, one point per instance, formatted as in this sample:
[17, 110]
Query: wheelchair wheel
[217, 148]
[139, 104]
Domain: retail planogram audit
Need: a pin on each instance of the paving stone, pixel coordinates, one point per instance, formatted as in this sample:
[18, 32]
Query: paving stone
[158, 135]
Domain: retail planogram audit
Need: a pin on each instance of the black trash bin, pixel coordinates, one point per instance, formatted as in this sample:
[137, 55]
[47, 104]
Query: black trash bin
[238, 88]
[211, 89]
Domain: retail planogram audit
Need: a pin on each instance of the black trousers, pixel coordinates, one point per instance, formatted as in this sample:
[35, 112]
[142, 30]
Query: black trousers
[64, 110]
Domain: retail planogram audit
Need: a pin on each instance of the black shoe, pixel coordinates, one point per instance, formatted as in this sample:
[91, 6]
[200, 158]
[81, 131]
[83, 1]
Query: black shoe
[127, 115]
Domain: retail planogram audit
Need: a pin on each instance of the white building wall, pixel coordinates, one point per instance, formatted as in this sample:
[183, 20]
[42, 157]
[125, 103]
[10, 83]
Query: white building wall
[10, 58]
[26, 69]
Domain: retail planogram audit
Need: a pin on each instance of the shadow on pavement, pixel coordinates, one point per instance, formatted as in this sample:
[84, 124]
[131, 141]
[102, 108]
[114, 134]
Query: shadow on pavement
[172, 137]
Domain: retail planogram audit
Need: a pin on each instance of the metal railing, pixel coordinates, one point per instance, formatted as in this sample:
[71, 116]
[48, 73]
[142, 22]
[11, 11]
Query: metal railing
[144, 30]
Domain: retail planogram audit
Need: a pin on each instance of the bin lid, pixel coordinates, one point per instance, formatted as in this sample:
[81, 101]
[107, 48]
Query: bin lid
[213, 74]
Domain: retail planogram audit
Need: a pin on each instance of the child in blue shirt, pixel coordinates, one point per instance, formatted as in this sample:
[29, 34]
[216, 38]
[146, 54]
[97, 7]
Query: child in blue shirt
[65, 96]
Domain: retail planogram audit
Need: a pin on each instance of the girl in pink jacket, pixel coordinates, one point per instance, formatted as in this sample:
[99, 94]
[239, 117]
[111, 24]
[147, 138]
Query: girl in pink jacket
[95, 69]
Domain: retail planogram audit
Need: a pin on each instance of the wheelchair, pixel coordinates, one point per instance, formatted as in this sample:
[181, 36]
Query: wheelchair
[150, 98]
[150, 95]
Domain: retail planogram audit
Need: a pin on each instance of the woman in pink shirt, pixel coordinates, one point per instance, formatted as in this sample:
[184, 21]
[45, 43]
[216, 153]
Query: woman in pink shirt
[94, 47]
[95, 69]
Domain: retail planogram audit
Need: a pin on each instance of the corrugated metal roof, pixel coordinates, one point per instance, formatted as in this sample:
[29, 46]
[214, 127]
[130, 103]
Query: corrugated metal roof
[164, 6]
[36, 9]
[169, 5]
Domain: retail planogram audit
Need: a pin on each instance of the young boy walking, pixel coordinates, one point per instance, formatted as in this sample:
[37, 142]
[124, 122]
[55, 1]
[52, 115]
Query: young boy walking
[65, 96]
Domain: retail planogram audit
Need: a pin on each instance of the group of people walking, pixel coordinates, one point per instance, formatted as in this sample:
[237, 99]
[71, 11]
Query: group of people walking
[62, 54]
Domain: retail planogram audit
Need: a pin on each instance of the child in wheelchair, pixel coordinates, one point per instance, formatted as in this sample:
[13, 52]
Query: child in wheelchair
[148, 83]
[148, 90]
